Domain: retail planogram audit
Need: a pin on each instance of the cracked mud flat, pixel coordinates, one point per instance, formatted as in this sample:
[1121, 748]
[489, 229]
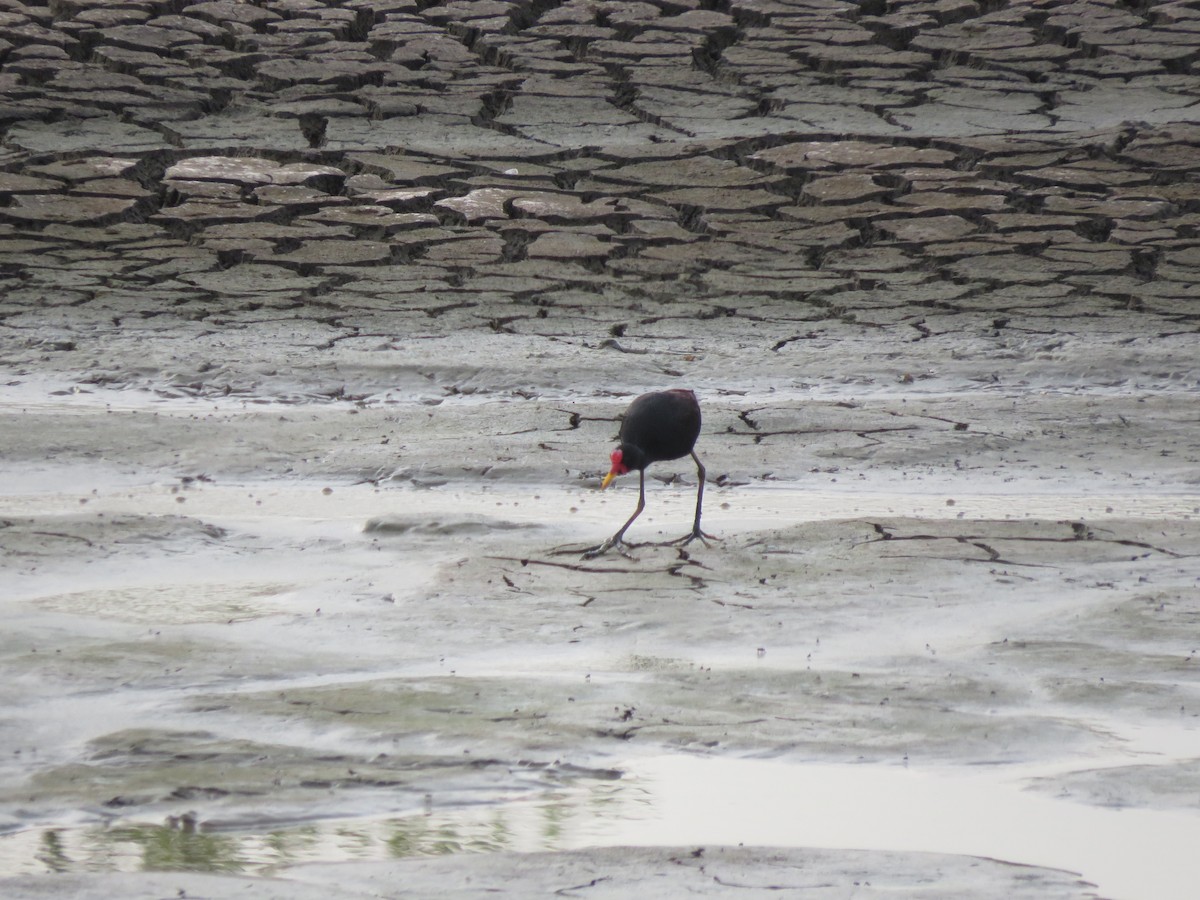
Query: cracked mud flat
[316, 323]
[279, 661]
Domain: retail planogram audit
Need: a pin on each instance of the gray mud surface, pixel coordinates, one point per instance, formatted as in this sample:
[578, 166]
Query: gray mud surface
[316, 324]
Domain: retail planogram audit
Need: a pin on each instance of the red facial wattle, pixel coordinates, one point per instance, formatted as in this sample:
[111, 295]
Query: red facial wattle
[618, 468]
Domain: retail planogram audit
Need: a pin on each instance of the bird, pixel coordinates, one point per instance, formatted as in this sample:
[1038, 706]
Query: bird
[658, 426]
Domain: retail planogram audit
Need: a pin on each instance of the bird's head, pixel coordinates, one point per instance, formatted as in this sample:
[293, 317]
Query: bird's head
[618, 467]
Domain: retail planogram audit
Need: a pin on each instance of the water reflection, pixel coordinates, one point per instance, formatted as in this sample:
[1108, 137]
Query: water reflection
[173, 848]
[546, 822]
[51, 854]
[680, 801]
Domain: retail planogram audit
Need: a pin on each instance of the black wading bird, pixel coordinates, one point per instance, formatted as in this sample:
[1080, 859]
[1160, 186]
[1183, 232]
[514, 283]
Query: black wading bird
[658, 426]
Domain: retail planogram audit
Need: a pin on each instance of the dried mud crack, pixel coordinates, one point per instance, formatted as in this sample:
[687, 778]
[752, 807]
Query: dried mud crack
[316, 321]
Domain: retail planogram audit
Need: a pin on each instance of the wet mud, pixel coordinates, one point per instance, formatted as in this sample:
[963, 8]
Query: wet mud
[317, 323]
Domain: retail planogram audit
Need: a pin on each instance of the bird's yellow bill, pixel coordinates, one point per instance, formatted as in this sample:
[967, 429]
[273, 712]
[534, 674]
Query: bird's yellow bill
[607, 480]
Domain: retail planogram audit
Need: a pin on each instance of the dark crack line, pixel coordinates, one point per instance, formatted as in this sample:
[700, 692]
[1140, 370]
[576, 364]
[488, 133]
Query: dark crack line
[808, 336]
[967, 559]
[957, 425]
[759, 436]
[563, 892]
[59, 534]
[765, 887]
[574, 567]
[977, 541]
[731, 603]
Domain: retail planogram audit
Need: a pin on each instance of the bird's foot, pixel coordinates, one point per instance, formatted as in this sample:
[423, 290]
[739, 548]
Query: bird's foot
[613, 543]
[568, 550]
[695, 535]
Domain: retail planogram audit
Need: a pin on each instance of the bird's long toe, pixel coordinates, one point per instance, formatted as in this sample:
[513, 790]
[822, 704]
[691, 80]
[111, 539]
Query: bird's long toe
[697, 535]
[611, 544]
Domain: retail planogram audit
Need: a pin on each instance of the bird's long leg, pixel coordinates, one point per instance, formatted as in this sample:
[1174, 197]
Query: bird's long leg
[616, 539]
[696, 533]
[700, 473]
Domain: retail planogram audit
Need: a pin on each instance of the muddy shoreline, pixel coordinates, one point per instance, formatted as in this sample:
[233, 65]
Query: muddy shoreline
[317, 324]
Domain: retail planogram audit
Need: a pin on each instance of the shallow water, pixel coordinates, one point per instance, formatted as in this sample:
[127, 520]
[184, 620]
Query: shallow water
[299, 595]
[1126, 853]
[679, 800]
